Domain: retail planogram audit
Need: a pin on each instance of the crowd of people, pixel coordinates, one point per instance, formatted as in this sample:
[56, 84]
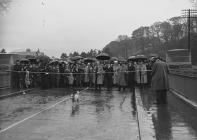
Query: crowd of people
[97, 74]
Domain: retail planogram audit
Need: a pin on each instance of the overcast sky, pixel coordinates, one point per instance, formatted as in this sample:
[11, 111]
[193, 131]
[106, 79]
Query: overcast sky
[57, 26]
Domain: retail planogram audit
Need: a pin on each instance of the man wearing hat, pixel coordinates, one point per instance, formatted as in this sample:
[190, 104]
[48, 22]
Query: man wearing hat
[131, 77]
[159, 81]
[109, 76]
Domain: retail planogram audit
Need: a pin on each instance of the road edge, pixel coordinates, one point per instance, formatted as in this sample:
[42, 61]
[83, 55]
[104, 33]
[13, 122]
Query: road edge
[146, 130]
[185, 99]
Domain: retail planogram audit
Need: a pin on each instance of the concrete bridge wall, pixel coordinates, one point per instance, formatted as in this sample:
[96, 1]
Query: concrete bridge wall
[185, 85]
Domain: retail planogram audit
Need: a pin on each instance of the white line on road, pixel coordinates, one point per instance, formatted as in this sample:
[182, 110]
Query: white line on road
[19, 122]
[188, 101]
[16, 92]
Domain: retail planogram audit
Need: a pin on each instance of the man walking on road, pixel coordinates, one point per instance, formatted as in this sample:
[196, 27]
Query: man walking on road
[159, 81]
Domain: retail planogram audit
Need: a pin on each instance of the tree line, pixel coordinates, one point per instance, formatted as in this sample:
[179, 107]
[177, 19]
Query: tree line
[91, 54]
[155, 39]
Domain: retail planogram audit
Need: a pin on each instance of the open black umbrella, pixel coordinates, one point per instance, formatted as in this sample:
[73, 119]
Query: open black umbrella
[122, 60]
[88, 60]
[114, 59]
[54, 62]
[141, 57]
[24, 60]
[32, 60]
[76, 58]
[132, 58]
[103, 56]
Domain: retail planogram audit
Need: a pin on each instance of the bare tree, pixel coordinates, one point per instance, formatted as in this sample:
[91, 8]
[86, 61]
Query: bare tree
[3, 51]
[4, 4]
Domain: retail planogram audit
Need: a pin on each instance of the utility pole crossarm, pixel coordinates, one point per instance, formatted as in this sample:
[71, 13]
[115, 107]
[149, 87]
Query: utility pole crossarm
[189, 13]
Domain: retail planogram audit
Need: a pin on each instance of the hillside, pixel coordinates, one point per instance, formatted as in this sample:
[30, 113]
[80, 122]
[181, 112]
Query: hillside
[157, 38]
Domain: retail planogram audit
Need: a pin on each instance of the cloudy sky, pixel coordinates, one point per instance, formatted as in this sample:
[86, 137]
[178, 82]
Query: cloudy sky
[57, 26]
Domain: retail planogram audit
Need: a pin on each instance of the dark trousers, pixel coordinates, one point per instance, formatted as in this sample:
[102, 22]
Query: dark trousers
[109, 83]
[161, 96]
[119, 88]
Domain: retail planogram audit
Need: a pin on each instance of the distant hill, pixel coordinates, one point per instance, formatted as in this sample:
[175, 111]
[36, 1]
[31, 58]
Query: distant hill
[157, 38]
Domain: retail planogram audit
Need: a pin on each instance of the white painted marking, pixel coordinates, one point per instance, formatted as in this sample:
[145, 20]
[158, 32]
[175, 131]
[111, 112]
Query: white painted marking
[17, 92]
[193, 104]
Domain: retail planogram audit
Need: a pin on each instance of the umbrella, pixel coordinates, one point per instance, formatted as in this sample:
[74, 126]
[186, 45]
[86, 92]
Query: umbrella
[114, 59]
[43, 59]
[54, 62]
[69, 61]
[141, 57]
[62, 62]
[103, 56]
[132, 58]
[24, 61]
[122, 60]
[75, 58]
[32, 60]
[88, 60]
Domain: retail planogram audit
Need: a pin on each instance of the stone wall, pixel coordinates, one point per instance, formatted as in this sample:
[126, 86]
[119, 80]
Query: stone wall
[184, 84]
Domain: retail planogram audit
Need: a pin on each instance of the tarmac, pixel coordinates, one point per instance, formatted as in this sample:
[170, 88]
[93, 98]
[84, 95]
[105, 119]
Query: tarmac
[107, 115]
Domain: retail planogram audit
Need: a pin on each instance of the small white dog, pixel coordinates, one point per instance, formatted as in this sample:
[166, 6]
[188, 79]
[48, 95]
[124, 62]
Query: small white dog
[75, 97]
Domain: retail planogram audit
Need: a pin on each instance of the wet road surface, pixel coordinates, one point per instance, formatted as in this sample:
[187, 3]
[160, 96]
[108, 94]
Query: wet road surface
[99, 115]
[174, 121]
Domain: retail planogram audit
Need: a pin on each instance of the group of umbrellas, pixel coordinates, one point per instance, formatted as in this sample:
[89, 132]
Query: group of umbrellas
[30, 60]
[137, 58]
[76, 59]
[100, 57]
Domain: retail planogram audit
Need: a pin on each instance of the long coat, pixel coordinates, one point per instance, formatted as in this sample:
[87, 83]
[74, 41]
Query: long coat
[137, 73]
[116, 74]
[109, 76]
[143, 74]
[86, 80]
[131, 76]
[100, 75]
[160, 76]
[122, 76]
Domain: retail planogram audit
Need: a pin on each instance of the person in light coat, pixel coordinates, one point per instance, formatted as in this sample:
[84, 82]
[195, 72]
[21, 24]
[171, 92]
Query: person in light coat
[87, 70]
[143, 73]
[116, 68]
[137, 73]
[122, 77]
[27, 80]
[100, 76]
[71, 80]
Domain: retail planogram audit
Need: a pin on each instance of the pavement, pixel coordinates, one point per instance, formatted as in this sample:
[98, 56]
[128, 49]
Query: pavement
[175, 120]
[107, 115]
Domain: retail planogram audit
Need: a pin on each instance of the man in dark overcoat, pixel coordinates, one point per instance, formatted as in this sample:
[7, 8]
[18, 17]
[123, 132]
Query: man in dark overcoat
[109, 75]
[160, 82]
[131, 77]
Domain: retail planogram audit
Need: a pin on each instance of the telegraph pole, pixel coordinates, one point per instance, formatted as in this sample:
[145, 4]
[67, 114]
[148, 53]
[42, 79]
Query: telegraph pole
[189, 13]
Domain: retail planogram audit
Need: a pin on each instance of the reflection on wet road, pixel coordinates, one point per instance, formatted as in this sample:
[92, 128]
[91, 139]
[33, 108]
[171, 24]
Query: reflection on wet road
[99, 115]
[176, 120]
